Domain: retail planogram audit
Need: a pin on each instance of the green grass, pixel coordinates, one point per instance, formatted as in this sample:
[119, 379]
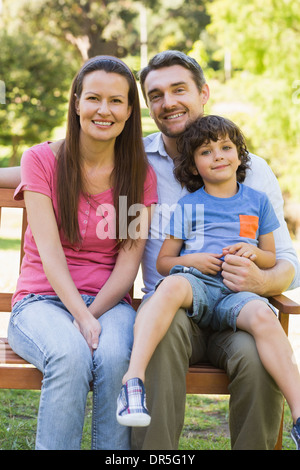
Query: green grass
[10, 243]
[206, 424]
[148, 124]
[205, 428]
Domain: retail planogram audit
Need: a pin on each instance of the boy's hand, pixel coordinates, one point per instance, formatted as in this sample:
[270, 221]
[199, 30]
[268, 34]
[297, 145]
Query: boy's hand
[207, 263]
[241, 249]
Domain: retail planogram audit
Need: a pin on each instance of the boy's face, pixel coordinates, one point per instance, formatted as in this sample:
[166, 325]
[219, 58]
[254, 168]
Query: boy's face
[174, 99]
[217, 162]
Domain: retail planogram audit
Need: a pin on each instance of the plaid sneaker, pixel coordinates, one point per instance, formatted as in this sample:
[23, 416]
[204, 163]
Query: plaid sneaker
[131, 404]
[296, 433]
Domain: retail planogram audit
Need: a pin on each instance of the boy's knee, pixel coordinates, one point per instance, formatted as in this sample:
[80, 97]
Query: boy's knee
[263, 319]
[174, 286]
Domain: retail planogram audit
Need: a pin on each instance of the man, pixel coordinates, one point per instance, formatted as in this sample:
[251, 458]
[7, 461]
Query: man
[175, 91]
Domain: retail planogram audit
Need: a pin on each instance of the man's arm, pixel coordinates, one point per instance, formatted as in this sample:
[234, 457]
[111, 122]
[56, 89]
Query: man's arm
[286, 273]
[10, 177]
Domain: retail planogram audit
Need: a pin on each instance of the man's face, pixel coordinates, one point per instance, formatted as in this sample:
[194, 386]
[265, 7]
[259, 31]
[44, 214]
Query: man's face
[174, 99]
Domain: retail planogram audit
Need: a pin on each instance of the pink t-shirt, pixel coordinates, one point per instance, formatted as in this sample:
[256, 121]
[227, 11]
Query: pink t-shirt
[92, 260]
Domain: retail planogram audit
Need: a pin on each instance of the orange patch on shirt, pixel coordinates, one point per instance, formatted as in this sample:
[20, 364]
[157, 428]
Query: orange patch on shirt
[248, 226]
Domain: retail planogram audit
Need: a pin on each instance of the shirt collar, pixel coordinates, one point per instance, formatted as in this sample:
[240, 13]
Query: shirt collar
[154, 144]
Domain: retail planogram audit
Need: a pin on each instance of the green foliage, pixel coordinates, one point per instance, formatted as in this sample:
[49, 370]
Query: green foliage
[260, 41]
[264, 42]
[176, 24]
[263, 37]
[37, 79]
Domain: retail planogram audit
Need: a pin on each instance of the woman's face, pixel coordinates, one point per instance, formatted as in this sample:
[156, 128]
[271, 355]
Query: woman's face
[103, 106]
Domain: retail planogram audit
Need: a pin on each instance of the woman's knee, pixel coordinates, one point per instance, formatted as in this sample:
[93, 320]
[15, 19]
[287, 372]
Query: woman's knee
[116, 338]
[72, 358]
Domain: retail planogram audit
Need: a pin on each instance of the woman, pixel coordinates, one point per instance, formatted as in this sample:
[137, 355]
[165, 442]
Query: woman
[71, 313]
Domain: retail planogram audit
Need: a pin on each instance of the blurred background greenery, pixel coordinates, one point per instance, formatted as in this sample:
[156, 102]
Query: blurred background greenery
[249, 51]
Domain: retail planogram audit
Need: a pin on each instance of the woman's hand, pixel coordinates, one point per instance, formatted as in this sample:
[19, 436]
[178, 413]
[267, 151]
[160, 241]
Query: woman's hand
[90, 330]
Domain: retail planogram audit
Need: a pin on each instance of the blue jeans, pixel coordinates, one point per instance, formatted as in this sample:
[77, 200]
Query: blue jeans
[41, 331]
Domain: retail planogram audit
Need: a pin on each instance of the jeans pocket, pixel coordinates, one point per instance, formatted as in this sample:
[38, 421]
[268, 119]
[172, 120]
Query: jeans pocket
[18, 306]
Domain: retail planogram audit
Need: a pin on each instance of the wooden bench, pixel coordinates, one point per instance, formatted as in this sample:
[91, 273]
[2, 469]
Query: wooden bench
[15, 373]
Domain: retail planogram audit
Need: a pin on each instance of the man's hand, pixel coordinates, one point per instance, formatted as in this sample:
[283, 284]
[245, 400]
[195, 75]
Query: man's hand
[242, 274]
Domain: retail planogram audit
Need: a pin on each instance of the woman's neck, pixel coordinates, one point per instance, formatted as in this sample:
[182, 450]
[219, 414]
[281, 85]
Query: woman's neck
[97, 165]
[96, 153]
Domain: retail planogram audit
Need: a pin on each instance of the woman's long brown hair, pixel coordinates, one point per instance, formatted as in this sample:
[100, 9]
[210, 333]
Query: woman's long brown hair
[130, 168]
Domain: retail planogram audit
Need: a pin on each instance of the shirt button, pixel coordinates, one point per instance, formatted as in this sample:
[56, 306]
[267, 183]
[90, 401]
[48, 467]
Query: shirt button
[85, 221]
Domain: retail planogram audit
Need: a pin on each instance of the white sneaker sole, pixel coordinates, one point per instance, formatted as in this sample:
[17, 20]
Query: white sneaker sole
[134, 420]
[294, 439]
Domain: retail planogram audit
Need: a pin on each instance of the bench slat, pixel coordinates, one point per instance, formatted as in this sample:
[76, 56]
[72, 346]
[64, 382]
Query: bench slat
[22, 378]
[199, 377]
[5, 302]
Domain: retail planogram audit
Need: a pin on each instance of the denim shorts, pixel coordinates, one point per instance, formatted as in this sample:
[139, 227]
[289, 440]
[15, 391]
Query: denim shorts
[214, 304]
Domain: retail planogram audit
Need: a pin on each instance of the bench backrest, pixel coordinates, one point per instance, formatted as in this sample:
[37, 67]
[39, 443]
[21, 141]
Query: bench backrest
[7, 201]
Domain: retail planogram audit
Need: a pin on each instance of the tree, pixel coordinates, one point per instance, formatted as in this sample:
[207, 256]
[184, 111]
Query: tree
[177, 24]
[92, 26]
[264, 41]
[37, 75]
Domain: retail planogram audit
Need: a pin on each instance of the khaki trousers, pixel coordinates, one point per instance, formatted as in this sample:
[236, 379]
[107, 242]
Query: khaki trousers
[255, 401]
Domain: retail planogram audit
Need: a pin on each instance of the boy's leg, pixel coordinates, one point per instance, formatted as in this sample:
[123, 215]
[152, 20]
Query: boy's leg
[152, 323]
[274, 349]
[154, 319]
[184, 343]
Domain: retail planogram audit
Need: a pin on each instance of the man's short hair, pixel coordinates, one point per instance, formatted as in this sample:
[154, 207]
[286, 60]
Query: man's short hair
[169, 58]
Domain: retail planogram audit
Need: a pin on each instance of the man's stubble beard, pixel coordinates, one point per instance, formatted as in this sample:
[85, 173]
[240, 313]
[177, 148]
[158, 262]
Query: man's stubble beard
[174, 135]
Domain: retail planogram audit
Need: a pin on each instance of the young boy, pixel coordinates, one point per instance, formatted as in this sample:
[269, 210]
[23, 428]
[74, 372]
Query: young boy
[219, 216]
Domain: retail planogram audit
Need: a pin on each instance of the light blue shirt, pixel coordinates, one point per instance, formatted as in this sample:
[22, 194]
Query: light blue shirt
[259, 176]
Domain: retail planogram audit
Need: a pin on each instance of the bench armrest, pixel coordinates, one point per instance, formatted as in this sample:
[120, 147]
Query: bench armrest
[285, 307]
[284, 304]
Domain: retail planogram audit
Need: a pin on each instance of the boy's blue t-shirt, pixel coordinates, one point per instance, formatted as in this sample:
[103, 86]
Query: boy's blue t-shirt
[207, 223]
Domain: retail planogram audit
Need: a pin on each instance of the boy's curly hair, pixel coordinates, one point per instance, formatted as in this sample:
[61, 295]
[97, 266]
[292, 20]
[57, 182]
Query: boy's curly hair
[200, 132]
